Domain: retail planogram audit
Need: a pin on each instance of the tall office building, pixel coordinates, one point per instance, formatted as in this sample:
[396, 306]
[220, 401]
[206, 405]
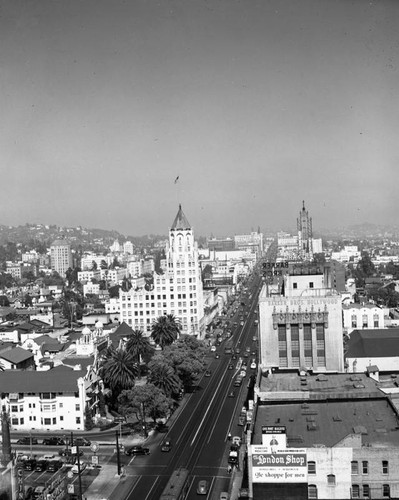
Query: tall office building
[305, 234]
[300, 323]
[61, 256]
[178, 291]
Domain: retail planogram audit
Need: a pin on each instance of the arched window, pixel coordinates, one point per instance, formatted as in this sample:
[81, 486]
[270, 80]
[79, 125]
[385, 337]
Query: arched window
[355, 491]
[312, 492]
[331, 480]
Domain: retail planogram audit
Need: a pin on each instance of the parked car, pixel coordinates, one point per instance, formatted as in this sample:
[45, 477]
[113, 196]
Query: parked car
[213, 348]
[231, 367]
[166, 445]
[28, 492]
[224, 495]
[27, 440]
[75, 468]
[53, 441]
[231, 394]
[29, 464]
[54, 465]
[253, 365]
[217, 355]
[203, 487]
[208, 373]
[38, 492]
[41, 465]
[241, 420]
[137, 450]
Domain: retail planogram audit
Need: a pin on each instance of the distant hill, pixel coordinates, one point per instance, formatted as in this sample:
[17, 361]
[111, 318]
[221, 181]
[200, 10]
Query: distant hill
[80, 238]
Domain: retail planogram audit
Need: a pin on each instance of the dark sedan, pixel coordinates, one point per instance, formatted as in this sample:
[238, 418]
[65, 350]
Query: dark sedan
[53, 441]
[137, 450]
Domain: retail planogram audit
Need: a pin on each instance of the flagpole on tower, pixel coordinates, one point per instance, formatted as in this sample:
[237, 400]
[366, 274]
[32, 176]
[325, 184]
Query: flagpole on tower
[177, 183]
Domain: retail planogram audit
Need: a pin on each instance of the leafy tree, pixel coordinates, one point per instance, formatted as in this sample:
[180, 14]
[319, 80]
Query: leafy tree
[28, 275]
[89, 424]
[6, 280]
[113, 291]
[163, 376]
[188, 364]
[118, 370]
[71, 276]
[94, 265]
[126, 284]
[139, 345]
[28, 300]
[103, 264]
[364, 269]
[165, 330]
[4, 302]
[144, 401]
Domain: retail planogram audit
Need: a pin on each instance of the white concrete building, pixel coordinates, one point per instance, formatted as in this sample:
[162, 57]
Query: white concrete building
[300, 324]
[178, 291]
[356, 316]
[61, 256]
[44, 400]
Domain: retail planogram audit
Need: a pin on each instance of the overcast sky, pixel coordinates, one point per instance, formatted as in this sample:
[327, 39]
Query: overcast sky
[255, 104]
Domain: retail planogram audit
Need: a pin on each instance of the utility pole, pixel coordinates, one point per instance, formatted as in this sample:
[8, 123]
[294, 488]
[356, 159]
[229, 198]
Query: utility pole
[80, 479]
[118, 458]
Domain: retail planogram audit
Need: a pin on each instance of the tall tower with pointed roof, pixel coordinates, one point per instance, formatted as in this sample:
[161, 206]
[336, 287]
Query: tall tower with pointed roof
[177, 291]
[305, 234]
[184, 270]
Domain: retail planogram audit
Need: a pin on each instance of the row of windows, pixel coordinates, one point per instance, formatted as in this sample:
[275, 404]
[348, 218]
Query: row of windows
[354, 467]
[44, 421]
[41, 395]
[355, 492]
[52, 407]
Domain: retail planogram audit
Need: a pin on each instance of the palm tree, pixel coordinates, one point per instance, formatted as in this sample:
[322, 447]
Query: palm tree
[118, 370]
[164, 377]
[165, 330]
[138, 345]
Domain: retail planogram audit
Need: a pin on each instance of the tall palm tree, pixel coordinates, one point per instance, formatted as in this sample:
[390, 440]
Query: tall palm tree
[165, 330]
[138, 345]
[164, 377]
[118, 370]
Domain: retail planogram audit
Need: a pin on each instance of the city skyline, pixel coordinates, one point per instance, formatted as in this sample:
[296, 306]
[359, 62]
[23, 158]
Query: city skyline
[114, 113]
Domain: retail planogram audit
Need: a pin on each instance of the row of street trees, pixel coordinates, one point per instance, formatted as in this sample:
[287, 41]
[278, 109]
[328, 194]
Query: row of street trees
[168, 372]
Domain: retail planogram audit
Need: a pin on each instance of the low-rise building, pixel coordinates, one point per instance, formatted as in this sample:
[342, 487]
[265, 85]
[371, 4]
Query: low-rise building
[355, 316]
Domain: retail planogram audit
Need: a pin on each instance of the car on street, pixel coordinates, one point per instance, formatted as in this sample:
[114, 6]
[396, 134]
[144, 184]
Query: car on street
[203, 487]
[166, 445]
[253, 365]
[217, 356]
[213, 348]
[234, 356]
[248, 349]
[208, 373]
[81, 441]
[231, 367]
[75, 468]
[67, 452]
[136, 450]
[236, 440]
[224, 495]
[38, 492]
[254, 339]
[29, 464]
[53, 441]
[27, 440]
[161, 427]
[241, 420]
[232, 394]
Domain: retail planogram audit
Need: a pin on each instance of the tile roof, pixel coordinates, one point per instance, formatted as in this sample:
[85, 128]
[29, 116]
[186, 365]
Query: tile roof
[379, 343]
[16, 355]
[59, 379]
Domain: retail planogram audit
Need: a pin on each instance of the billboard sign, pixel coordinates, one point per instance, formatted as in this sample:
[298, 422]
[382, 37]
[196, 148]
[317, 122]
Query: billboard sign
[274, 437]
[284, 466]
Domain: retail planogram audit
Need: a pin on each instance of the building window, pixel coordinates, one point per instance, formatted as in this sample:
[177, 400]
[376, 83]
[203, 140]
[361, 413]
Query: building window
[385, 467]
[354, 321]
[61, 418]
[78, 420]
[365, 322]
[365, 467]
[312, 491]
[14, 421]
[311, 284]
[376, 321]
[355, 491]
[354, 467]
[77, 407]
[295, 285]
[311, 467]
[331, 480]
[366, 491]
[386, 491]
[47, 421]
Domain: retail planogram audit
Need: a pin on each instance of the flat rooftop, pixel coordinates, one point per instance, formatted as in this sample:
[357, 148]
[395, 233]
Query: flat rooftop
[327, 411]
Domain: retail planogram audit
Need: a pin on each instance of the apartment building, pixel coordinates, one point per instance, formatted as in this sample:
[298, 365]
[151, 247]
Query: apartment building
[61, 256]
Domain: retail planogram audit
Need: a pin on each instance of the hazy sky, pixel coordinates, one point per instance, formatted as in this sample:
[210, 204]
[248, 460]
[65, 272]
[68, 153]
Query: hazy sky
[255, 104]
